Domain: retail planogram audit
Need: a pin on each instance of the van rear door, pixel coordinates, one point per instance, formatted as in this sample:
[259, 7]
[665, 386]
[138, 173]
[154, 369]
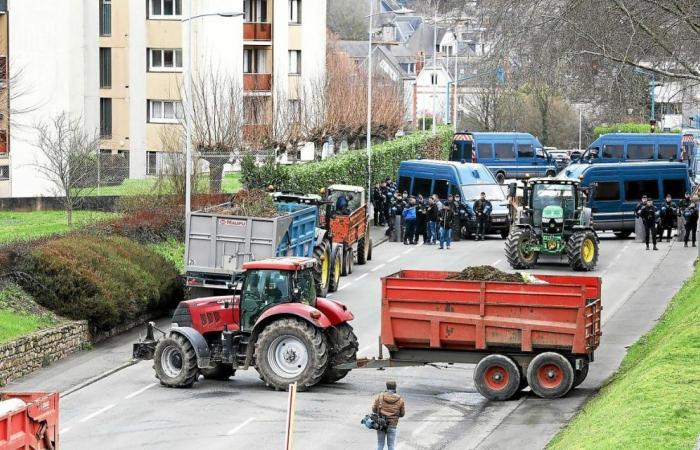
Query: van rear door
[527, 163]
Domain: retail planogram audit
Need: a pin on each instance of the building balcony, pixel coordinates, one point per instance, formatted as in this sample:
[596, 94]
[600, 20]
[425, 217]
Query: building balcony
[257, 82]
[256, 131]
[257, 31]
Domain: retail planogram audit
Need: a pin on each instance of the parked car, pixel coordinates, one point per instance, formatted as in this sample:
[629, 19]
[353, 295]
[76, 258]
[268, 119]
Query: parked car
[507, 155]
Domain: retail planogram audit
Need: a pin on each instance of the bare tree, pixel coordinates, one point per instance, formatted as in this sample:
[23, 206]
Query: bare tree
[69, 160]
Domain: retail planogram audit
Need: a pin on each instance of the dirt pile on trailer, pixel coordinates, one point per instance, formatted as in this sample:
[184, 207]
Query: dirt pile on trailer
[487, 273]
[250, 203]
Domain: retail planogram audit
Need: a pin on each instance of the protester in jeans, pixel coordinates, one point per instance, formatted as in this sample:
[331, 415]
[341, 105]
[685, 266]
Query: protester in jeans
[432, 217]
[690, 215]
[390, 405]
[409, 218]
[482, 209]
[445, 220]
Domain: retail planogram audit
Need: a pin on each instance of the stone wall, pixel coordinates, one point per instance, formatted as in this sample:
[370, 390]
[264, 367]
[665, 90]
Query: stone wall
[34, 351]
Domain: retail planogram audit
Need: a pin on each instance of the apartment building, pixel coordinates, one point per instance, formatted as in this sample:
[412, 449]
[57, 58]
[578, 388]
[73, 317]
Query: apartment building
[119, 64]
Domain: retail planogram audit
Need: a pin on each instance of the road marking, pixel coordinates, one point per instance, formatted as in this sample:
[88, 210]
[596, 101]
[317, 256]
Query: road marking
[394, 258]
[96, 413]
[140, 391]
[378, 267]
[344, 285]
[239, 427]
[497, 262]
[361, 276]
[408, 251]
[64, 430]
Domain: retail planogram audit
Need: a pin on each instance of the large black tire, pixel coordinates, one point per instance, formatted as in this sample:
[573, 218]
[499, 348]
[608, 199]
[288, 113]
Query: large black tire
[623, 234]
[220, 371]
[336, 268]
[347, 262]
[343, 348]
[497, 377]
[550, 173]
[514, 253]
[369, 250]
[322, 252]
[504, 233]
[362, 250]
[283, 344]
[500, 177]
[582, 250]
[580, 376]
[550, 375]
[175, 362]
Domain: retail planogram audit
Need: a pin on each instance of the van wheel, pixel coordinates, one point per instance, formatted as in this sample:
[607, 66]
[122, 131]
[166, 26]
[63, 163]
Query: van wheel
[623, 234]
[550, 173]
[500, 177]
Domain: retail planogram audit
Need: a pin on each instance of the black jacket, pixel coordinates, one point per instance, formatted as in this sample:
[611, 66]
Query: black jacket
[668, 212]
[483, 207]
[648, 214]
[432, 213]
[446, 218]
[638, 209]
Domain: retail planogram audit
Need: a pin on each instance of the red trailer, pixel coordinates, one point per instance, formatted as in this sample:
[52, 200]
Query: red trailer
[539, 334]
[28, 421]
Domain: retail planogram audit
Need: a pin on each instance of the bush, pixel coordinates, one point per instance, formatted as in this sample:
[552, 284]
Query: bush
[107, 280]
[347, 168]
[627, 128]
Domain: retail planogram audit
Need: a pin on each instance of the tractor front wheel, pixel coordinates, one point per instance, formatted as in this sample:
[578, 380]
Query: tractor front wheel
[289, 351]
[517, 253]
[336, 268]
[175, 362]
[343, 344]
[582, 250]
[322, 268]
[220, 371]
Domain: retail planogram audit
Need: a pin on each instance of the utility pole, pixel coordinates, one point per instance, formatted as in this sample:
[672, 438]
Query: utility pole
[435, 24]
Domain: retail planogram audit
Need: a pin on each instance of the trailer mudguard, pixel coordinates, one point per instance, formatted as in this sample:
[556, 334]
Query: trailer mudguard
[201, 348]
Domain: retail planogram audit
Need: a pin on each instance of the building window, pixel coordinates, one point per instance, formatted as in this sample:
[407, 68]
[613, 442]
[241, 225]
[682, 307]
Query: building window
[106, 118]
[255, 11]
[294, 11]
[105, 67]
[3, 143]
[165, 60]
[254, 60]
[4, 172]
[105, 17]
[165, 9]
[433, 78]
[164, 111]
[151, 163]
[295, 62]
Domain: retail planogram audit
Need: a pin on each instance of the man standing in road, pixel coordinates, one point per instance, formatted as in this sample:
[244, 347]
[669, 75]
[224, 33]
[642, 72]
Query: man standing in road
[390, 405]
[640, 206]
[690, 215]
[445, 220]
[668, 215]
[482, 210]
[432, 217]
[648, 216]
[409, 219]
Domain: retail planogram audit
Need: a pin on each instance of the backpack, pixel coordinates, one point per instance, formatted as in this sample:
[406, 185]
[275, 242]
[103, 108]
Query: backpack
[376, 421]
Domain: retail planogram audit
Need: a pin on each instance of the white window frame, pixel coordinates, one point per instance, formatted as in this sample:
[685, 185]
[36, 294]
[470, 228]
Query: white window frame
[161, 16]
[162, 67]
[160, 105]
[295, 12]
[294, 62]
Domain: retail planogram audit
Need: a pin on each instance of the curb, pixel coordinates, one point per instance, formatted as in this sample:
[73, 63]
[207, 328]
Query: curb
[99, 377]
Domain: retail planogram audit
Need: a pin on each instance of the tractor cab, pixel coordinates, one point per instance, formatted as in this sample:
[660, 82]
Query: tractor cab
[345, 199]
[552, 203]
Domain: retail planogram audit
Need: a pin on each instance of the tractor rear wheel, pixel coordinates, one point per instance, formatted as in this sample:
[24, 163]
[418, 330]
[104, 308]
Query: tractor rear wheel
[582, 250]
[289, 351]
[336, 268]
[362, 250]
[175, 362]
[343, 348]
[322, 268]
[550, 375]
[220, 371]
[497, 377]
[517, 255]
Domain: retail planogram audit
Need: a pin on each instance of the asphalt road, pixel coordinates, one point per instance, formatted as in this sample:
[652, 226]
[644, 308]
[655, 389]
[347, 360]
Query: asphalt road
[129, 409]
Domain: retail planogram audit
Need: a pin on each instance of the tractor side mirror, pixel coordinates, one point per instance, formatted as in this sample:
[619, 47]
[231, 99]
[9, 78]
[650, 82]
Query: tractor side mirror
[296, 295]
[512, 190]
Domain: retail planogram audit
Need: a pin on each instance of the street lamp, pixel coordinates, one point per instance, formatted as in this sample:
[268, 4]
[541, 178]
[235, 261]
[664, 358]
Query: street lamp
[190, 107]
[400, 11]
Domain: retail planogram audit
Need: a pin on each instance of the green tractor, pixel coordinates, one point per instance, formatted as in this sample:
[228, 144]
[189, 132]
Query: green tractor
[552, 220]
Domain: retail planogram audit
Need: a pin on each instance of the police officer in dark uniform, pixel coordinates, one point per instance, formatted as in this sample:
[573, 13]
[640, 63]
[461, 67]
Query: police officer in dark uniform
[482, 210]
[640, 205]
[457, 209]
[690, 215]
[648, 216]
[667, 216]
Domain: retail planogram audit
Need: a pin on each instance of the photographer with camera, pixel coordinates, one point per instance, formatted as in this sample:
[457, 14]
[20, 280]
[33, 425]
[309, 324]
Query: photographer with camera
[390, 406]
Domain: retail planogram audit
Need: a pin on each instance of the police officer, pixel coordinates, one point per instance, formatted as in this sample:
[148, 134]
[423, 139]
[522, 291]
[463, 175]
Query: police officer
[648, 216]
[482, 210]
[640, 205]
[667, 216]
[690, 215]
[684, 203]
[457, 221]
[378, 204]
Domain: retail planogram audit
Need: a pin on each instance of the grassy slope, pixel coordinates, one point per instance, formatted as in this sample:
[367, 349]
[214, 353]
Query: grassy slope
[230, 183]
[20, 315]
[653, 402]
[31, 225]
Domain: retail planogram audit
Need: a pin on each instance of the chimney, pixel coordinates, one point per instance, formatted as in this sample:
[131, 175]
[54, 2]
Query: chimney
[420, 61]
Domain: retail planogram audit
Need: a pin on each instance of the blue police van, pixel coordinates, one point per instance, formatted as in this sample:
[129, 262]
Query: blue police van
[507, 155]
[428, 177]
[617, 147]
[620, 187]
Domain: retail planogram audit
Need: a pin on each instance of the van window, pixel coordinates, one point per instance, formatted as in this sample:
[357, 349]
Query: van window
[607, 190]
[613, 151]
[404, 184]
[635, 189]
[668, 151]
[640, 151]
[504, 151]
[525, 151]
[485, 151]
[421, 186]
[441, 188]
[674, 187]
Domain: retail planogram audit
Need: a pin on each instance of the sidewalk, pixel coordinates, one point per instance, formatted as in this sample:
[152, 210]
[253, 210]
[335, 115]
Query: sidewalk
[105, 357]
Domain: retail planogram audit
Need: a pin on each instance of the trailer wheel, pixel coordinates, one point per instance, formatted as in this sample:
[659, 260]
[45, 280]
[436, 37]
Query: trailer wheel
[347, 261]
[288, 351]
[362, 250]
[550, 375]
[497, 377]
[220, 371]
[580, 376]
[518, 257]
[322, 268]
[175, 362]
[343, 345]
[582, 250]
[336, 270]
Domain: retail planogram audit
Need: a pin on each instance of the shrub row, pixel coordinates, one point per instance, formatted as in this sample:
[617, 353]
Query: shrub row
[349, 167]
[626, 128]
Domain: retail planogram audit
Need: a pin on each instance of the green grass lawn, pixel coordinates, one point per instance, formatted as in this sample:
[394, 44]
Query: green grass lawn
[230, 183]
[13, 324]
[653, 402]
[20, 314]
[173, 251]
[31, 225]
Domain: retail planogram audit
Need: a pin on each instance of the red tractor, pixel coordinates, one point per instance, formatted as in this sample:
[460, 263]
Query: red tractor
[277, 324]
